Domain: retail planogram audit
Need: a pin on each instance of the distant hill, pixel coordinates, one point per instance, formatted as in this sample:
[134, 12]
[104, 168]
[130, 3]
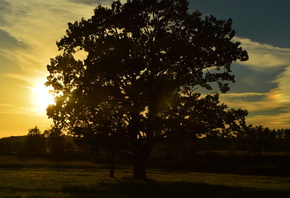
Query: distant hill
[12, 144]
[14, 139]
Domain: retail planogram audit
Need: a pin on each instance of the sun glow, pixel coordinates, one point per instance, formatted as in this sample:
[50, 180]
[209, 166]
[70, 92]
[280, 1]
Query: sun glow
[41, 97]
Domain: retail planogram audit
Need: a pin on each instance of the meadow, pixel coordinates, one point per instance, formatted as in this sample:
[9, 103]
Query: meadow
[22, 178]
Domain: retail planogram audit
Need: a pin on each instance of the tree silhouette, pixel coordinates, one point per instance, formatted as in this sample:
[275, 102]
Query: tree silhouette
[55, 141]
[106, 132]
[141, 65]
[256, 139]
[35, 142]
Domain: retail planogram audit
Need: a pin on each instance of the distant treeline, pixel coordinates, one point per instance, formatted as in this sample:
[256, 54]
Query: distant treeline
[255, 140]
[252, 140]
[35, 143]
[255, 150]
[42, 145]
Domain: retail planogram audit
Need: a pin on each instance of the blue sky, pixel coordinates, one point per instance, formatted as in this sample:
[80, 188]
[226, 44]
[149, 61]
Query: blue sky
[262, 85]
[29, 30]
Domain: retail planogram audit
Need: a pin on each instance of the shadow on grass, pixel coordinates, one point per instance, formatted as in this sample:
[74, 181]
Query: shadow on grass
[130, 189]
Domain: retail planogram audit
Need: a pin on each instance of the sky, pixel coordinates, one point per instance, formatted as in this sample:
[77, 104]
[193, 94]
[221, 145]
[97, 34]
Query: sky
[29, 30]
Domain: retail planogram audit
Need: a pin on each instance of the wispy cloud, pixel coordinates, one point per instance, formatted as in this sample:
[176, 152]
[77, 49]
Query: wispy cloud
[10, 109]
[94, 2]
[263, 56]
[267, 109]
[277, 121]
[255, 102]
[28, 33]
[38, 25]
[283, 89]
[243, 95]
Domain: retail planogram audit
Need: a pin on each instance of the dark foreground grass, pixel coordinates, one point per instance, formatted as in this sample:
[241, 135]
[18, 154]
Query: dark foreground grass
[45, 178]
[86, 183]
[134, 189]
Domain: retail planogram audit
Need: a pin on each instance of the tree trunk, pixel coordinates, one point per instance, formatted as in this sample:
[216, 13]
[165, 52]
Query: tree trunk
[141, 147]
[140, 163]
[112, 167]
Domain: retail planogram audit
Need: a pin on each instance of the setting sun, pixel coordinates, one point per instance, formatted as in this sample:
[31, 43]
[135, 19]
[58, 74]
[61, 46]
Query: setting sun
[41, 97]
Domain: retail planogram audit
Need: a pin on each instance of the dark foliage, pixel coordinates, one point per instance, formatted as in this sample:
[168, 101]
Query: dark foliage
[55, 142]
[35, 142]
[142, 65]
[52, 142]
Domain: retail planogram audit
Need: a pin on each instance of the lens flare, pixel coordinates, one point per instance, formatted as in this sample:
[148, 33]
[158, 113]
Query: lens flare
[275, 95]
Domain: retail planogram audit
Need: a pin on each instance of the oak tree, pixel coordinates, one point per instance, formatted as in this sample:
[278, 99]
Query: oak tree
[137, 69]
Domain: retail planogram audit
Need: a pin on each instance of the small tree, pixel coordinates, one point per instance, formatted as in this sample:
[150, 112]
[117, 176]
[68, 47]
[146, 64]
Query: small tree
[144, 62]
[35, 142]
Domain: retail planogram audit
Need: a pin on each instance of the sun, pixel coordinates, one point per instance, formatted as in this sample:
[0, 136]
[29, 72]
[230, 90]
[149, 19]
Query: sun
[41, 97]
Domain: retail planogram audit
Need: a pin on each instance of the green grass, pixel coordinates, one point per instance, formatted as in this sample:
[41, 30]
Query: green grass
[25, 178]
[70, 183]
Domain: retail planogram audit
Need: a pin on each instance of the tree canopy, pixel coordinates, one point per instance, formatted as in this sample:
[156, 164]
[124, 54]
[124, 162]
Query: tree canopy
[136, 69]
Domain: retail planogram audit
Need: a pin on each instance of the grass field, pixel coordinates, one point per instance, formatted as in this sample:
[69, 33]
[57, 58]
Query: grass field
[40, 178]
